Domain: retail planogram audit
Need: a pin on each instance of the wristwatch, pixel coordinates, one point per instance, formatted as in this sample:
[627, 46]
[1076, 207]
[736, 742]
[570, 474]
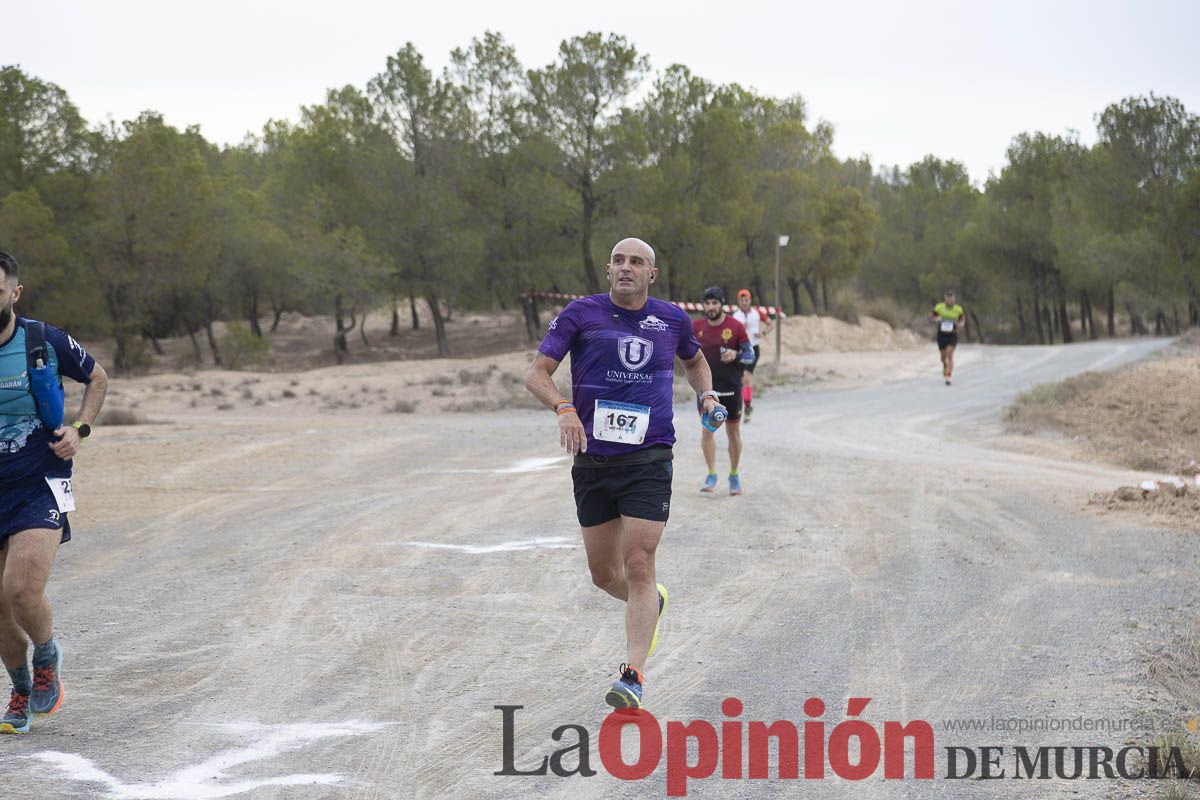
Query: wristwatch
[709, 393]
[84, 429]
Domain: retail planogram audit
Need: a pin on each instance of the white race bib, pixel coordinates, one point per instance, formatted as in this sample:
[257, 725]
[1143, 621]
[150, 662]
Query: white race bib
[947, 326]
[61, 487]
[620, 422]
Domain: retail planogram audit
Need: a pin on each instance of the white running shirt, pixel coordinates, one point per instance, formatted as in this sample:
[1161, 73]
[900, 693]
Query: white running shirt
[749, 322]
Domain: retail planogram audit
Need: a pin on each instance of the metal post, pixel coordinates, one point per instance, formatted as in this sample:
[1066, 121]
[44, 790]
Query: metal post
[780, 242]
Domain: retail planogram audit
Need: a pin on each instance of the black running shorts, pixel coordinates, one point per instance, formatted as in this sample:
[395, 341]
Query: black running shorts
[603, 493]
[945, 340]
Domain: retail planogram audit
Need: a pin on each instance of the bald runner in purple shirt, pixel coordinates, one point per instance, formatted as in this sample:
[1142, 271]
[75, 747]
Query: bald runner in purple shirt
[619, 426]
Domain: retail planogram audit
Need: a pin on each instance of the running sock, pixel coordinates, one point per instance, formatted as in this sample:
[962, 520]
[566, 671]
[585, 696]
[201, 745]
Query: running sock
[747, 394]
[22, 681]
[733, 474]
[45, 654]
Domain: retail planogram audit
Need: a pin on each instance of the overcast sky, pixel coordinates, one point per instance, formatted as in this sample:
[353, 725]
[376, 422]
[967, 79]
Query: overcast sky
[898, 80]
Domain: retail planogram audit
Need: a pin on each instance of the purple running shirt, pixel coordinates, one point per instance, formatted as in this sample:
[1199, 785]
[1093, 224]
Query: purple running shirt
[622, 359]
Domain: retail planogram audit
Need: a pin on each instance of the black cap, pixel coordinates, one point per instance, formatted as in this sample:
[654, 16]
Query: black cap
[714, 293]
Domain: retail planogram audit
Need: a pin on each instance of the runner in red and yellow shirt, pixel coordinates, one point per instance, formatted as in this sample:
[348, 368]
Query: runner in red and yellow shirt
[726, 348]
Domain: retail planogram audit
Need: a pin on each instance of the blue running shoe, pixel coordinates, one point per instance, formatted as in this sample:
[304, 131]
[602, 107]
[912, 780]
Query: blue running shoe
[17, 719]
[47, 693]
[710, 483]
[662, 606]
[627, 692]
[735, 484]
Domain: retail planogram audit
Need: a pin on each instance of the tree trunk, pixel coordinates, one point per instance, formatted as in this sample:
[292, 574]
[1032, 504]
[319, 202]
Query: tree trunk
[362, 330]
[1136, 326]
[209, 313]
[395, 329]
[978, 328]
[1021, 317]
[121, 357]
[153, 340]
[439, 324]
[794, 287]
[340, 346]
[589, 212]
[278, 311]
[825, 295]
[212, 344]
[1064, 318]
[1112, 311]
[255, 328]
[808, 287]
[532, 329]
[412, 307]
[1049, 323]
[195, 346]
[1037, 315]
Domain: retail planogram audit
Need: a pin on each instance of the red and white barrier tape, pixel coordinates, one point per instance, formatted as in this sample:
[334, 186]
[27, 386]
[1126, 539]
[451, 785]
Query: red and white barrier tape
[767, 311]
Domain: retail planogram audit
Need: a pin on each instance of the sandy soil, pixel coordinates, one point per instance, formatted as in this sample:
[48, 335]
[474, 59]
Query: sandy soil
[311, 600]
[1145, 416]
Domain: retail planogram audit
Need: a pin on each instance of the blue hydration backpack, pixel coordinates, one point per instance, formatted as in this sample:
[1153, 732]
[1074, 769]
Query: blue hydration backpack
[44, 384]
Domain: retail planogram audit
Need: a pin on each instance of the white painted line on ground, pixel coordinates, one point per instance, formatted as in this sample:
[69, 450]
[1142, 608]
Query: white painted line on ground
[551, 543]
[203, 780]
[524, 465]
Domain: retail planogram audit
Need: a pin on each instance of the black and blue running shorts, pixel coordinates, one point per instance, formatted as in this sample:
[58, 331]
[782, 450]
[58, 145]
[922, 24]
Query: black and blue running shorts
[28, 508]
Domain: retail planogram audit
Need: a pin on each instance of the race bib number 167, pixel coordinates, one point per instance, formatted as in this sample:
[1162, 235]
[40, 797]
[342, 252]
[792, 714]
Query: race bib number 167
[620, 422]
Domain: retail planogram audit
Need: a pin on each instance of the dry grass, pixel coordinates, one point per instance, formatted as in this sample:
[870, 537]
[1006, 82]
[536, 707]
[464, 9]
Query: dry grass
[1143, 416]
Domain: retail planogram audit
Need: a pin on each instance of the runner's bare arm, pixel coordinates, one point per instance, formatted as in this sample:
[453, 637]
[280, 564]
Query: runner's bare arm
[67, 444]
[539, 380]
[93, 395]
[700, 378]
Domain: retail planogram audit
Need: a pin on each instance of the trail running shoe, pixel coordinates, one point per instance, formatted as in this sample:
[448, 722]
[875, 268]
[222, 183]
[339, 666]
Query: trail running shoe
[747, 412]
[735, 484]
[47, 693]
[710, 483]
[662, 606]
[17, 719]
[626, 692]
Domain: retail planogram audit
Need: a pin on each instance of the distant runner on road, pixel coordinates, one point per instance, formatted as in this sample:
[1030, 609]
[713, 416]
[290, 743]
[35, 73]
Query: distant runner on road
[36, 448]
[756, 325]
[726, 348]
[618, 425]
[950, 318]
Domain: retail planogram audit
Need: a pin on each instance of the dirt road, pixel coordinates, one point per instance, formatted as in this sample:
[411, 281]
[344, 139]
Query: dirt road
[330, 606]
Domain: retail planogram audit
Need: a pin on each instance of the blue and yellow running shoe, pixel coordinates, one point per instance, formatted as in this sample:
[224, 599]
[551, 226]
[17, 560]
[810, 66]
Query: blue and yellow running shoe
[735, 484]
[710, 483]
[627, 691]
[47, 693]
[17, 718]
[662, 607]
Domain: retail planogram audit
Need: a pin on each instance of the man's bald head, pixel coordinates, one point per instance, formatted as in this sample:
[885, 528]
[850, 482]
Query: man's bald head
[633, 246]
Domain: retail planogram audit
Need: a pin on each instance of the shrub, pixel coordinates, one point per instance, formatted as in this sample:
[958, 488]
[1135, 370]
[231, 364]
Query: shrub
[241, 348]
